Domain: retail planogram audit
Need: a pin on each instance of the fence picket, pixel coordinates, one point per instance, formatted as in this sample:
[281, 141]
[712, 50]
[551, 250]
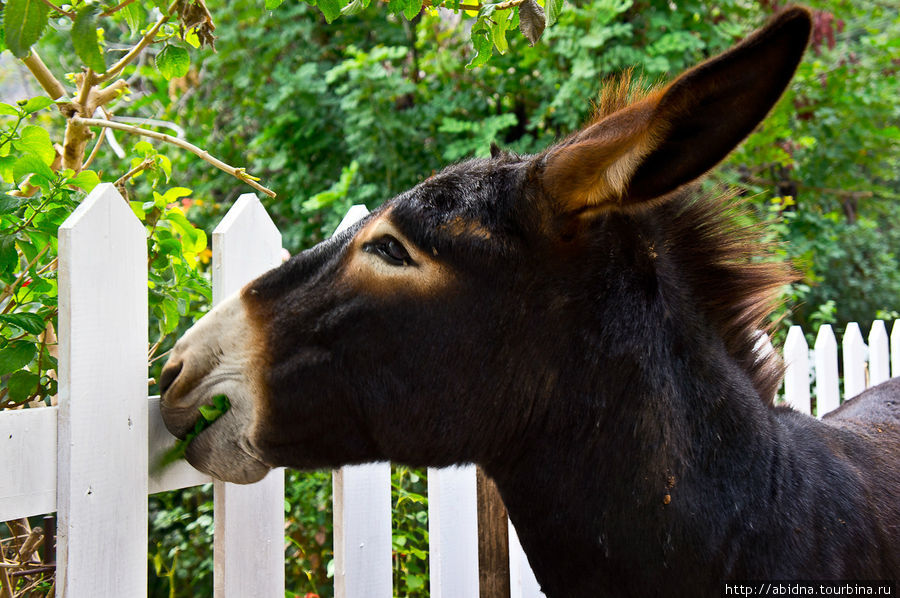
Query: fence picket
[895, 349]
[102, 417]
[453, 532]
[27, 486]
[362, 514]
[827, 388]
[879, 365]
[248, 548]
[796, 375]
[854, 361]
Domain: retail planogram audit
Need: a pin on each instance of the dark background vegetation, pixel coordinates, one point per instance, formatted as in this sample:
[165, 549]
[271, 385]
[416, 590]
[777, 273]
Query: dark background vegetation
[357, 110]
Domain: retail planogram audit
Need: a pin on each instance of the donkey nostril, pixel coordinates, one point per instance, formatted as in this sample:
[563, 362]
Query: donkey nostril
[169, 374]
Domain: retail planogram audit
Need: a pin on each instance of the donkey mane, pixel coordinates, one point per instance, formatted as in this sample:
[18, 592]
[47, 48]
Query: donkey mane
[731, 275]
[621, 91]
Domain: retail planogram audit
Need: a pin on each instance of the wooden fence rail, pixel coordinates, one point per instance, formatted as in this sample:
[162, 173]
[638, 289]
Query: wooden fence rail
[105, 432]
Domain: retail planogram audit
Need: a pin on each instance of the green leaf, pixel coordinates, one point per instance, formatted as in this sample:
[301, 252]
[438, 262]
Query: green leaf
[135, 16]
[36, 140]
[330, 8]
[210, 413]
[412, 8]
[8, 110]
[552, 8]
[86, 179]
[30, 164]
[26, 322]
[481, 41]
[36, 103]
[6, 168]
[138, 209]
[221, 402]
[9, 257]
[23, 24]
[84, 38]
[22, 385]
[273, 4]
[355, 7]
[144, 149]
[498, 30]
[15, 356]
[173, 62]
[9, 204]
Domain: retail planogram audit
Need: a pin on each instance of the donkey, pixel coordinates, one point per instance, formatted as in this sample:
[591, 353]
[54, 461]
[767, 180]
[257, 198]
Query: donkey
[581, 323]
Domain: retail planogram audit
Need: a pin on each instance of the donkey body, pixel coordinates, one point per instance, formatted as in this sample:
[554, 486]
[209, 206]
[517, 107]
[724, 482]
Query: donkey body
[580, 323]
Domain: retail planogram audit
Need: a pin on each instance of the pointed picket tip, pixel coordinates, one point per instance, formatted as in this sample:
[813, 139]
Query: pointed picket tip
[879, 359]
[825, 338]
[356, 213]
[106, 205]
[248, 209]
[245, 244]
[795, 342]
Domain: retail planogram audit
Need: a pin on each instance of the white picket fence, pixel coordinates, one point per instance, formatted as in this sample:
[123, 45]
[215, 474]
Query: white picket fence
[106, 431]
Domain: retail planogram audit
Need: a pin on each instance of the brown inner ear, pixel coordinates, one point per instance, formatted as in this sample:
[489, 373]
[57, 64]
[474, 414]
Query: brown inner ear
[596, 165]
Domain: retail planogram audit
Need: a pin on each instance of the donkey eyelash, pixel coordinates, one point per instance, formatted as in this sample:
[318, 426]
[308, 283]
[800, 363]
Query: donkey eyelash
[390, 250]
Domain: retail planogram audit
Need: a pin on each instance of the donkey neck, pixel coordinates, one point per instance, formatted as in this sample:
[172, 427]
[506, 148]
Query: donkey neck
[661, 440]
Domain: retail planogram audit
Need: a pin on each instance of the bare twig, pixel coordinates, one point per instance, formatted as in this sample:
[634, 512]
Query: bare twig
[84, 90]
[96, 149]
[43, 75]
[147, 163]
[238, 173]
[475, 7]
[439, 4]
[104, 96]
[43, 569]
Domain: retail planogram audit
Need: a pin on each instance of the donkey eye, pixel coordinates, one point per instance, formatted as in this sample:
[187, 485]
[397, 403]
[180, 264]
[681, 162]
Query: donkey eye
[390, 250]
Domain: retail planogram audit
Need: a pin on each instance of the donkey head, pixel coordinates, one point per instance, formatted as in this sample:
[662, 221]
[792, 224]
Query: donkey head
[495, 302]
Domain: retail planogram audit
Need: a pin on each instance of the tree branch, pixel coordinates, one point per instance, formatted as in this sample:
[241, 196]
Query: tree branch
[147, 163]
[96, 149]
[238, 173]
[43, 75]
[475, 7]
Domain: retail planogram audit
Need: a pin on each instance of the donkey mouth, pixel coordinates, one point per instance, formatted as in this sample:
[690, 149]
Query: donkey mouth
[179, 421]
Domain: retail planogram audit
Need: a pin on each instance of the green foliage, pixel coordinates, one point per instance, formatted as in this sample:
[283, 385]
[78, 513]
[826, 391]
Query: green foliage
[173, 62]
[85, 38]
[23, 24]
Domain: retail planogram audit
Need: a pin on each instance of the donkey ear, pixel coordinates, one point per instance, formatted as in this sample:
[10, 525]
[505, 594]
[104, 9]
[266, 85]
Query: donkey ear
[675, 135]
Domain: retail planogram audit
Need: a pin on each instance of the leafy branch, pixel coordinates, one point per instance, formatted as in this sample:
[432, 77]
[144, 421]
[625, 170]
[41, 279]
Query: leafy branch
[238, 173]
